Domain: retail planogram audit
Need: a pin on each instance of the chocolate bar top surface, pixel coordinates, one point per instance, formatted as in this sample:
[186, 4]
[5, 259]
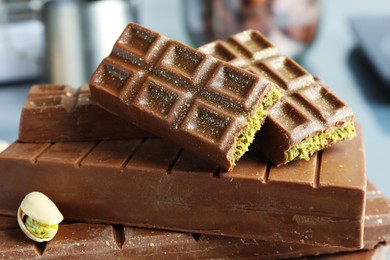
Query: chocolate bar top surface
[178, 93]
[172, 189]
[56, 113]
[93, 240]
[307, 107]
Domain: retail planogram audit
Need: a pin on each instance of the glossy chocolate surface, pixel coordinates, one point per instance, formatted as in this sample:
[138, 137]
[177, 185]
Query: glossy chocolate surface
[307, 108]
[58, 113]
[152, 183]
[178, 93]
[95, 240]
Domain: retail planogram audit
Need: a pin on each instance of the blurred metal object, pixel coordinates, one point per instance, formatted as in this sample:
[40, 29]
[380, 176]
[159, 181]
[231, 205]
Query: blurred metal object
[79, 34]
[291, 25]
[19, 10]
[65, 61]
[102, 29]
[20, 58]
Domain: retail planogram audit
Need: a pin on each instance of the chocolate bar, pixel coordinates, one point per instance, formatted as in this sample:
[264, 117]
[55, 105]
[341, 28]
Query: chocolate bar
[79, 239]
[204, 105]
[153, 183]
[309, 116]
[56, 113]
[311, 108]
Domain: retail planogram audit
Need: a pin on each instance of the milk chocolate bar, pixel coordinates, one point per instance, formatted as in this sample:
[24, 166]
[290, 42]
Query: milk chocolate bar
[309, 116]
[152, 183]
[57, 113]
[83, 240]
[204, 105]
[94, 241]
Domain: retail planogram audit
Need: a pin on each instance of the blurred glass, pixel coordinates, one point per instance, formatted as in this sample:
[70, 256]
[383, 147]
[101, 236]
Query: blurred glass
[76, 34]
[290, 25]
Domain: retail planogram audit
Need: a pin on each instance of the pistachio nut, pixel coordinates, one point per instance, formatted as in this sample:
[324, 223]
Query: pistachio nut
[38, 217]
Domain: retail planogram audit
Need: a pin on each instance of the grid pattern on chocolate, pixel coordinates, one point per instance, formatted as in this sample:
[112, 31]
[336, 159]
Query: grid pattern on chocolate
[51, 89]
[156, 157]
[307, 107]
[61, 97]
[308, 111]
[159, 180]
[85, 239]
[190, 91]
[69, 114]
[26, 151]
[252, 51]
[65, 97]
[264, 59]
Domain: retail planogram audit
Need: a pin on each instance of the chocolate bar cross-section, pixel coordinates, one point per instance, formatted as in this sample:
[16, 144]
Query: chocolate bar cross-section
[309, 116]
[206, 106]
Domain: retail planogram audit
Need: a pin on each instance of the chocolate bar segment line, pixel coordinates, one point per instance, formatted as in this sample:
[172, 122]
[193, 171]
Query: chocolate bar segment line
[84, 239]
[56, 113]
[204, 105]
[261, 58]
[309, 116]
[153, 184]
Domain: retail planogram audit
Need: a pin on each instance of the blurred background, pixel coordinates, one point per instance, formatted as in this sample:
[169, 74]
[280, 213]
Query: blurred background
[345, 43]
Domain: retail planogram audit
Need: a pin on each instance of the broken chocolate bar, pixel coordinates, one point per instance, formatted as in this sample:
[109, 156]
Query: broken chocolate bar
[204, 105]
[56, 113]
[78, 239]
[152, 183]
[309, 116]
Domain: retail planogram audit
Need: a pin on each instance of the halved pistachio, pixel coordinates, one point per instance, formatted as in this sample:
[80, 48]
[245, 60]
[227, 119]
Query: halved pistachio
[38, 217]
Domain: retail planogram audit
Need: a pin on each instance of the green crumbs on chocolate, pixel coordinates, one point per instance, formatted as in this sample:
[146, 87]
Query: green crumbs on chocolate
[310, 145]
[254, 123]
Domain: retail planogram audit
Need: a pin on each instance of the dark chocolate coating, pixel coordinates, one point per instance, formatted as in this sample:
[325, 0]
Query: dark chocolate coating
[307, 107]
[58, 113]
[178, 93]
[153, 183]
[78, 240]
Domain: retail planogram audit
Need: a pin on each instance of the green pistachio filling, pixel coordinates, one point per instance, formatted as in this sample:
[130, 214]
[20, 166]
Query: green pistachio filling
[310, 145]
[254, 123]
[40, 230]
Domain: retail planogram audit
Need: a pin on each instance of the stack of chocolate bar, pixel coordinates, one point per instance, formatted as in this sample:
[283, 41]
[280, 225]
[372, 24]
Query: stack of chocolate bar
[153, 159]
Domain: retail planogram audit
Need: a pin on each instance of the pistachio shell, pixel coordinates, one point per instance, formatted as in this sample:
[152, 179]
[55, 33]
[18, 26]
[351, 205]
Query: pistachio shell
[39, 207]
